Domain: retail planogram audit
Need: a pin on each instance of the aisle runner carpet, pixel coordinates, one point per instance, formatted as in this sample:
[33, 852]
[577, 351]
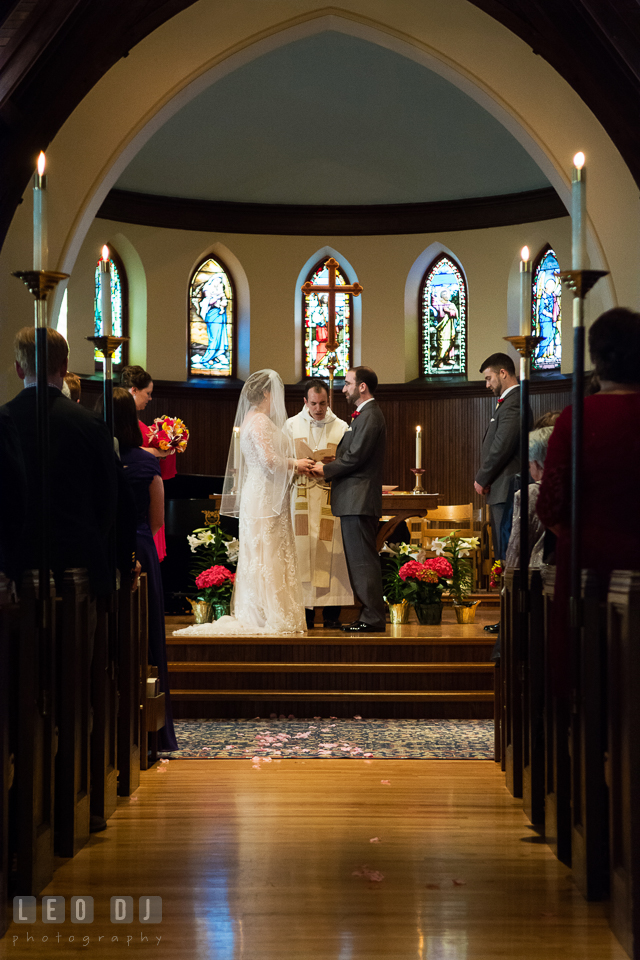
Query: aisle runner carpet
[335, 739]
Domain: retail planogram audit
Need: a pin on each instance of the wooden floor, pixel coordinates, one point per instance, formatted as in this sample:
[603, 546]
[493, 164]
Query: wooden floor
[259, 865]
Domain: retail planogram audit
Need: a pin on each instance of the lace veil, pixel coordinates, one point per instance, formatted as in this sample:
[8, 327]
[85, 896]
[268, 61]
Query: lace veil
[263, 392]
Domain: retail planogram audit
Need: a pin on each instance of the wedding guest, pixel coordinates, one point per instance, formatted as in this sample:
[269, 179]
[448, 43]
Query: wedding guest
[143, 475]
[74, 386]
[538, 441]
[140, 385]
[83, 500]
[610, 476]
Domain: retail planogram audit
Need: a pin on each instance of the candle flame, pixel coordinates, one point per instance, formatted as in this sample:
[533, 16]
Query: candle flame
[578, 161]
[418, 429]
[524, 253]
[41, 163]
[105, 252]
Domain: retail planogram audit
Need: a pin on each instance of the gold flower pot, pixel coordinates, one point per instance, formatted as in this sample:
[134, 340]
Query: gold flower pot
[466, 612]
[399, 612]
[202, 610]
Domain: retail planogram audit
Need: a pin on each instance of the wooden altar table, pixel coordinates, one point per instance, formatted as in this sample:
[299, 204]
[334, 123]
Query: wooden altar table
[402, 505]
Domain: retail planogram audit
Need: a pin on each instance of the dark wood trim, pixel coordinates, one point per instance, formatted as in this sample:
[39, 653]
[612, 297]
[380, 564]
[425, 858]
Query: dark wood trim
[282, 219]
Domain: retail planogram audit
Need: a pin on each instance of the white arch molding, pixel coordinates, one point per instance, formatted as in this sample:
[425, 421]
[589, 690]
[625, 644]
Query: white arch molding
[320, 22]
[356, 317]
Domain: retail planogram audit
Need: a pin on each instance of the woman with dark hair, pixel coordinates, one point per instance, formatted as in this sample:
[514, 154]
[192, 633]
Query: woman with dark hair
[140, 385]
[610, 523]
[143, 475]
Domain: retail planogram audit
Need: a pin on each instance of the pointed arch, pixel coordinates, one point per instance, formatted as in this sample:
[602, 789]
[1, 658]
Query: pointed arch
[211, 320]
[443, 311]
[546, 310]
[119, 309]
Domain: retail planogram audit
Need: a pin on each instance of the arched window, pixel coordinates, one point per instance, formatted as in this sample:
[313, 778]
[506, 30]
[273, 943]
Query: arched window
[443, 319]
[212, 326]
[545, 310]
[119, 309]
[315, 319]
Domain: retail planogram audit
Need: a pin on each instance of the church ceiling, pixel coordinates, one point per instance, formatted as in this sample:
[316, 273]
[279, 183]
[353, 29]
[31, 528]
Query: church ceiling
[332, 119]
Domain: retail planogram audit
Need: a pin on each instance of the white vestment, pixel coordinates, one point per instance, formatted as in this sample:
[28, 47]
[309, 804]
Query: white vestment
[321, 559]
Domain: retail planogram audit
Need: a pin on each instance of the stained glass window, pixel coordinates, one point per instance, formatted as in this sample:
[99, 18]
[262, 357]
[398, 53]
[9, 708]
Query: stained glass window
[211, 321]
[315, 312]
[119, 308]
[443, 319]
[545, 311]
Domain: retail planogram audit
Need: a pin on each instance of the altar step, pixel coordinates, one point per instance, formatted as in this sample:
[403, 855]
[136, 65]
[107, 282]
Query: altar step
[410, 671]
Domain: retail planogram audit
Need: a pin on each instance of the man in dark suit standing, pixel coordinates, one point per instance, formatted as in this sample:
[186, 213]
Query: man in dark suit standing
[501, 443]
[356, 496]
[83, 485]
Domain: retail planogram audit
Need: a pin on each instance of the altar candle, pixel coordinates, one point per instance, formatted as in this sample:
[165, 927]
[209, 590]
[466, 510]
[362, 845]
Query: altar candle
[105, 292]
[418, 448]
[579, 213]
[525, 293]
[40, 240]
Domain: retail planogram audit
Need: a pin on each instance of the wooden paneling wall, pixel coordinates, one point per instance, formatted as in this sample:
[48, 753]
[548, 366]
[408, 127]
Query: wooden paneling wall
[454, 418]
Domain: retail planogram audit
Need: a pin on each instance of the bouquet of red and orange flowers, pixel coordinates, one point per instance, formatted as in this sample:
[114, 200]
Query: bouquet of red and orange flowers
[168, 433]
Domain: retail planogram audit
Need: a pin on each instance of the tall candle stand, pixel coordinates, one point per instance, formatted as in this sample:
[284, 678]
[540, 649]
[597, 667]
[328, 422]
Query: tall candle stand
[108, 345]
[580, 282]
[419, 475]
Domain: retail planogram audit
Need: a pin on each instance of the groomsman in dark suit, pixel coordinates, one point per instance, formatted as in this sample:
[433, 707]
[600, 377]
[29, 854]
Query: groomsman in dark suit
[500, 457]
[356, 496]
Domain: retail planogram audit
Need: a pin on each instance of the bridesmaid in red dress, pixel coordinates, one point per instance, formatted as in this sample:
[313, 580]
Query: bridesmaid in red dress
[610, 523]
[140, 385]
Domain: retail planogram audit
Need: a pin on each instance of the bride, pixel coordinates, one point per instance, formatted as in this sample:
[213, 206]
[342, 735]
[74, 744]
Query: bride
[267, 596]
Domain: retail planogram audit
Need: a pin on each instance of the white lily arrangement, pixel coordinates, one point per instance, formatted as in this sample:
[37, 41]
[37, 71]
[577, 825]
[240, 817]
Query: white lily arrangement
[457, 549]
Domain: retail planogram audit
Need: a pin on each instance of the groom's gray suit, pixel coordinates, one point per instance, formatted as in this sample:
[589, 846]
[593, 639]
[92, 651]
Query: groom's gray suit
[356, 497]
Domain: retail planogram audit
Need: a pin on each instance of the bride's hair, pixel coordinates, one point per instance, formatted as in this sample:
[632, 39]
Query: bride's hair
[257, 386]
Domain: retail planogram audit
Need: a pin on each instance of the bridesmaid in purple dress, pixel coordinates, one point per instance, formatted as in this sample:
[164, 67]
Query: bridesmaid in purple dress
[142, 471]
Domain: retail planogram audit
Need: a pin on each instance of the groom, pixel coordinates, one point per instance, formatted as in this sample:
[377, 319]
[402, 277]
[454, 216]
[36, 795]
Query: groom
[356, 496]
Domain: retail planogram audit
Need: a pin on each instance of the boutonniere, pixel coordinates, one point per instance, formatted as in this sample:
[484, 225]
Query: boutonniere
[356, 413]
[499, 401]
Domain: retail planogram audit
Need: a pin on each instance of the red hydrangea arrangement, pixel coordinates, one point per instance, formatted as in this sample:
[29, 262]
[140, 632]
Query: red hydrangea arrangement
[168, 433]
[419, 581]
[216, 584]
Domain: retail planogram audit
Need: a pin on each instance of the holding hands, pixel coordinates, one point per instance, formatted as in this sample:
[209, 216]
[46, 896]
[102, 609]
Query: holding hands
[305, 466]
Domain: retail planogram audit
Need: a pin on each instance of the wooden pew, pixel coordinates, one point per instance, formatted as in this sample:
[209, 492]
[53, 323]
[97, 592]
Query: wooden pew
[557, 801]
[33, 707]
[128, 690]
[72, 798]
[511, 670]
[589, 802]
[104, 703]
[623, 764]
[533, 704]
[9, 639]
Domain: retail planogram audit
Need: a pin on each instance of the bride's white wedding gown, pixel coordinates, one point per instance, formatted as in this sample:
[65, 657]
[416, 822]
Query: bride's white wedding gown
[267, 596]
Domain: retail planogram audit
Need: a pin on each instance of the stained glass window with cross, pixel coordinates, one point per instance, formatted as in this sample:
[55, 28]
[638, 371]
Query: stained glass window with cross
[212, 311]
[546, 311]
[119, 309]
[315, 313]
[443, 319]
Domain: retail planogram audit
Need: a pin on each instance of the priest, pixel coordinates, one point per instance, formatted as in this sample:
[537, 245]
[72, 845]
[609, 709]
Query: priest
[317, 432]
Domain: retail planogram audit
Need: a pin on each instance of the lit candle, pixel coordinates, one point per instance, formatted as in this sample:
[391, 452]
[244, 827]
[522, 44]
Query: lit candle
[418, 448]
[105, 292]
[579, 213]
[525, 293]
[40, 240]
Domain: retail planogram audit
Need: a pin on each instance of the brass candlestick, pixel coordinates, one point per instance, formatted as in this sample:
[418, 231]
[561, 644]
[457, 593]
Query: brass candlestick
[108, 344]
[419, 474]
